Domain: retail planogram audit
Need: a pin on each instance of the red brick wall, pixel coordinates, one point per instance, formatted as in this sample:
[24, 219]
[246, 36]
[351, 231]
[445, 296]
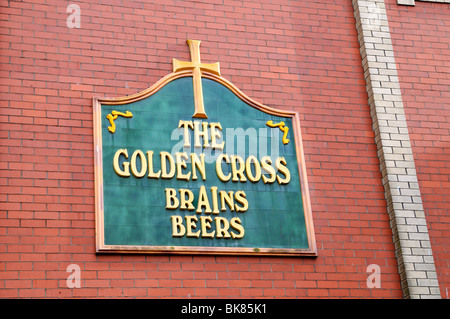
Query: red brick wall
[301, 55]
[421, 39]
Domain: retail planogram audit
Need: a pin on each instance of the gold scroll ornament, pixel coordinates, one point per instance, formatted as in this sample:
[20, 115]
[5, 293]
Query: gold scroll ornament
[113, 116]
[282, 127]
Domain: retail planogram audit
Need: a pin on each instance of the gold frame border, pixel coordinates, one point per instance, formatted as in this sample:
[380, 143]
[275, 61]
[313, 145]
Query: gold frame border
[203, 250]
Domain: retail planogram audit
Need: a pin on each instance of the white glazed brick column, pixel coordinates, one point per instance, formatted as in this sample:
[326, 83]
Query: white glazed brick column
[404, 201]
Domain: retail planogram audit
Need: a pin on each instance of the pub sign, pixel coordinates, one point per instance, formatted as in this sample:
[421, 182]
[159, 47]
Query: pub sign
[192, 165]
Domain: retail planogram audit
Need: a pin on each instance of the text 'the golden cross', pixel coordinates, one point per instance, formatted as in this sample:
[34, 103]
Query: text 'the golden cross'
[197, 67]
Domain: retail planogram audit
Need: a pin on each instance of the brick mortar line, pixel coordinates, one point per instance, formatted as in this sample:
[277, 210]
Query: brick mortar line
[404, 202]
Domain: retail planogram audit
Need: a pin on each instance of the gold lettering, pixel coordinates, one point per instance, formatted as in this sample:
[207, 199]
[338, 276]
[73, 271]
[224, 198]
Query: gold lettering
[248, 167]
[216, 128]
[186, 125]
[134, 170]
[190, 224]
[220, 174]
[180, 165]
[203, 201]
[126, 165]
[164, 157]
[151, 174]
[186, 203]
[240, 198]
[237, 171]
[228, 198]
[266, 162]
[203, 133]
[214, 200]
[206, 224]
[199, 164]
[171, 195]
[222, 231]
[280, 164]
[235, 223]
[178, 229]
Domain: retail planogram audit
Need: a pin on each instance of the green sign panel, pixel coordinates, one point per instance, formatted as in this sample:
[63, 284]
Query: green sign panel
[193, 166]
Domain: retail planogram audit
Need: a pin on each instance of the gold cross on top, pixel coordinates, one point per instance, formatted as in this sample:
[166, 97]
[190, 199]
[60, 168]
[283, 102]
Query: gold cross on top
[197, 67]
